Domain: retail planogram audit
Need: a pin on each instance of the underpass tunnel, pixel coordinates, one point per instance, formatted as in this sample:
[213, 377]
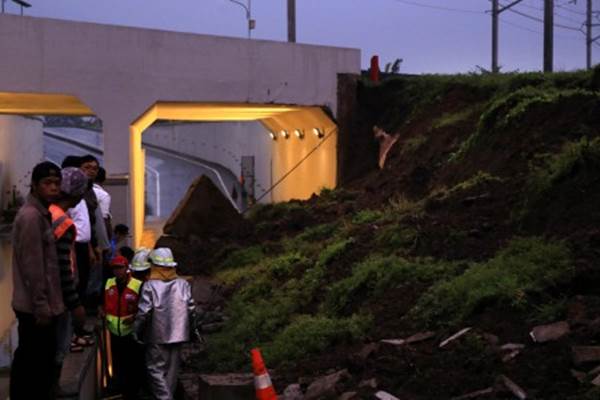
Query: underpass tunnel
[300, 146]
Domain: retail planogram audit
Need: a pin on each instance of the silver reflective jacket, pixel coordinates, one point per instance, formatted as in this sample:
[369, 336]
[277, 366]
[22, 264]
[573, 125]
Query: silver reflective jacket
[164, 312]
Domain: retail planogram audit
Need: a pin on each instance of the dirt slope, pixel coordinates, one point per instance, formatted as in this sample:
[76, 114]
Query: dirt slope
[486, 215]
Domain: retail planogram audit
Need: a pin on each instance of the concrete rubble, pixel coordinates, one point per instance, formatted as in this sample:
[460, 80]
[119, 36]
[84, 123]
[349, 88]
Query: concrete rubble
[386, 141]
[473, 395]
[381, 395]
[292, 392]
[327, 386]
[513, 387]
[583, 354]
[227, 387]
[452, 338]
[349, 396]
[550, 332]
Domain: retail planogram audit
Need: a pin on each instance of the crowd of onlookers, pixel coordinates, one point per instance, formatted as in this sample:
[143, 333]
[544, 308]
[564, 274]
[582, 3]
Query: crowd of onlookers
[70, 264]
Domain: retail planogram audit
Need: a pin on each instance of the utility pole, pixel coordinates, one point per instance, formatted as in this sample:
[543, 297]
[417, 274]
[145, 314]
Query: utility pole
[291, 15]
[495, 15]
[496, 11]
[548, 35]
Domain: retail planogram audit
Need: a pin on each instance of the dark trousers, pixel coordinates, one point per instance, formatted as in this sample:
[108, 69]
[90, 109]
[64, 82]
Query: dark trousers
[33, 370]
[82, 255]
[128, 365]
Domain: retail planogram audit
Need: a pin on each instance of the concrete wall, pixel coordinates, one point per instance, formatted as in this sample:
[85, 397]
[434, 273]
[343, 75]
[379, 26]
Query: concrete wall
[119, 72]
[20, 149]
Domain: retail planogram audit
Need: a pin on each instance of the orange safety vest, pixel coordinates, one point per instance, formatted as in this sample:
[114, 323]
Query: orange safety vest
[61, 223]
[118, 308]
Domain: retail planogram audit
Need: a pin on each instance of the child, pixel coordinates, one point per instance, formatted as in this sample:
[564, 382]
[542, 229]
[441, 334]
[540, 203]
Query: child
[163, 322]
[121, 297]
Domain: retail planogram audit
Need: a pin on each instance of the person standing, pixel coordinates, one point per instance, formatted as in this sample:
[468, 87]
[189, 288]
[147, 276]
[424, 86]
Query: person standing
[37, 295]
[163, 322]
[72, 187]
[121, 296]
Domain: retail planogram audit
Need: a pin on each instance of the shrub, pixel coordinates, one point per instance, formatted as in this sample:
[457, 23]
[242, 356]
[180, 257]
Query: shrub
[367, 217]
[312, 334]
[525, 267]
[318, 232]
[372, 277]
[334, 250]
[246, 256]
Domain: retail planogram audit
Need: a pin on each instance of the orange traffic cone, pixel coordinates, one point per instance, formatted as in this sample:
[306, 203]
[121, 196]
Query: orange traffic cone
[262, 380]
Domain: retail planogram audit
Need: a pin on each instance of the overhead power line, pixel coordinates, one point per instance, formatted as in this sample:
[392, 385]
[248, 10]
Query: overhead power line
[533, 18]
[435, 7]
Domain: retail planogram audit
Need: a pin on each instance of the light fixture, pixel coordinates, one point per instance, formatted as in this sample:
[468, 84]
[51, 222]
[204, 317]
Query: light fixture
[273, 136]
[299, 133]
[318, 133]
[285, 134]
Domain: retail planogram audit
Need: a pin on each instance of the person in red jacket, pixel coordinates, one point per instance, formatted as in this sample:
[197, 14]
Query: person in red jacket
[121, 296]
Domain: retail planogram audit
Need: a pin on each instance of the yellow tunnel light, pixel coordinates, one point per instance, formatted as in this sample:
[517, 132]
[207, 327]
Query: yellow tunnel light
[285, 134]
[272, 135]
[318, 133]
[299, 133]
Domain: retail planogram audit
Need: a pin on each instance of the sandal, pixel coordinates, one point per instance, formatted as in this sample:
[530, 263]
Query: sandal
[75, 348]
[82, 341]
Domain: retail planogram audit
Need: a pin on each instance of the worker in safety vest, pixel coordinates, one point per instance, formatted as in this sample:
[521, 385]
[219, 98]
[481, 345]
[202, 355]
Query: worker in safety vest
[73, 186]
[121, 295]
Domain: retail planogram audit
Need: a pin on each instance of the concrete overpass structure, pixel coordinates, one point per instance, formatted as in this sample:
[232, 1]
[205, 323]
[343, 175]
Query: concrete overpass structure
[132, 77]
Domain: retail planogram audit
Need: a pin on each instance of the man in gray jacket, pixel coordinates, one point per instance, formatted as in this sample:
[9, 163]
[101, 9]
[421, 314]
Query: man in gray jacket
[37, 296]
[163, 322]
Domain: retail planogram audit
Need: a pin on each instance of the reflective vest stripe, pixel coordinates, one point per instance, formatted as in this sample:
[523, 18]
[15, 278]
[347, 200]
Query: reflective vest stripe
[60, 221]
[114, 303]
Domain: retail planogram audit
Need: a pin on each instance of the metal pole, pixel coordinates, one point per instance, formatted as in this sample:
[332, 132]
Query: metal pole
[249, 15]
[291, 14]
[548, 35]
[495, 15]
[588, 34]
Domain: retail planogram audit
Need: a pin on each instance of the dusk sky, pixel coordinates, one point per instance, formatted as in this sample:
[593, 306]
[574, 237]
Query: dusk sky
[439, 36]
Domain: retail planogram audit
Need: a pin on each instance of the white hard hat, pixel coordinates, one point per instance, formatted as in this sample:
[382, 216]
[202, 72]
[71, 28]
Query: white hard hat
[140, 260]
[163, 257]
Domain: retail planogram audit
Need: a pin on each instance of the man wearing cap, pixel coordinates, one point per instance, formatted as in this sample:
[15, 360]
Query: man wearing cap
[37, 295]
[163, 322]
[121, 297]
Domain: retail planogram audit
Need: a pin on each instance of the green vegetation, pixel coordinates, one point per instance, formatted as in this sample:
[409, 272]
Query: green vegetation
[413, 144]
[241, 257]
[312, 334]
[450, 119]
[373, 276]
[367, 216]
[527, 266]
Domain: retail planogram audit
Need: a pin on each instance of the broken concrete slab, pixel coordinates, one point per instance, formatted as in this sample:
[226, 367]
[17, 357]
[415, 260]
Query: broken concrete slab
[203, 212]
[452, 338]
[580, 376]
[513, 387]
[349, 396]
[371, 383]
[512, 346]
[511, 355]
[491, 338]
[393, 342]
[386, 141]
[550, 332]
[594, 371]
[420, 337]
[227, 387]
[381, 395]
[327, 386]
[292, 392]
[596, 381]
[583, 354]
[473, 395]
[367, 351]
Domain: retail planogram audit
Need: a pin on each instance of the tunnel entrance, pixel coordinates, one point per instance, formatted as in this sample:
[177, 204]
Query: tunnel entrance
[297, 143]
